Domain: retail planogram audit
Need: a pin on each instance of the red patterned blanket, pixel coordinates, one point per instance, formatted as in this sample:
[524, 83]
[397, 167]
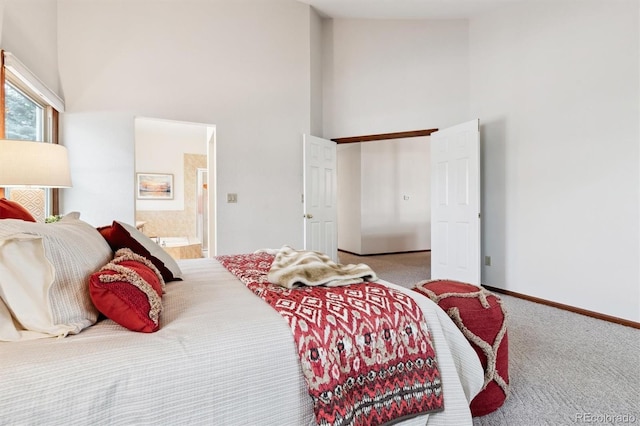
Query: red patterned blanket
[365, 349]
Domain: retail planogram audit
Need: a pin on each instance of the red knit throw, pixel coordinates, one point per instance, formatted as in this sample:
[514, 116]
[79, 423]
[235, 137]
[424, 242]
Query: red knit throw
[364, 349]
[482, 319]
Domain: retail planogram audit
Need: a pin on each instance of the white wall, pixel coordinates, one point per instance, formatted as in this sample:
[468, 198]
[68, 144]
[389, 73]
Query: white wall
[315, 60]
[396, 203]
[29, 32]
[243, 66]
[386, 76]
[2, 3]
[557, 90]
[101, 159]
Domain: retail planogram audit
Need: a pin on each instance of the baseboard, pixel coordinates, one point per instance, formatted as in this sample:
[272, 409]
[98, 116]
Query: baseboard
[609, 318]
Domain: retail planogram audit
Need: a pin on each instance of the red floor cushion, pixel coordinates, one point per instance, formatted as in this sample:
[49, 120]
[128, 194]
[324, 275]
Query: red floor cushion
[481, 317]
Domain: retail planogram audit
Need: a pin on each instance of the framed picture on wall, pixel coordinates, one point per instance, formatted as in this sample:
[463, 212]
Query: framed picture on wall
[154, 186]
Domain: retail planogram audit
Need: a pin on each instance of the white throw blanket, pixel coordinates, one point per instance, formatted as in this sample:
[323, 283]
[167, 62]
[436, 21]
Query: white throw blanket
[293, 268]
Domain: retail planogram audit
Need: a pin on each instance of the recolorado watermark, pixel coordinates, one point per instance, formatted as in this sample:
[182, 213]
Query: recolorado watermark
[596, 418]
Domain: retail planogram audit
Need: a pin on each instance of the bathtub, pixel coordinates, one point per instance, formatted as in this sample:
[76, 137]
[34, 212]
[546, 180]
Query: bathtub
[180, 247]
[174, 241]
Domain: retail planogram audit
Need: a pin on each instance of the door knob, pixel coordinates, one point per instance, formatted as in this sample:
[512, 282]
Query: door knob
[308, 216]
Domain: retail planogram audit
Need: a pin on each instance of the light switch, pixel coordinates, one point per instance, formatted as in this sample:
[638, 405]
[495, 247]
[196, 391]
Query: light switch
[232, 198]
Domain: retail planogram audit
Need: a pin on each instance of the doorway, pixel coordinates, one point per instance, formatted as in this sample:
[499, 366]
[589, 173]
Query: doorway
[384, 195]
[184, 154]
[450, 212]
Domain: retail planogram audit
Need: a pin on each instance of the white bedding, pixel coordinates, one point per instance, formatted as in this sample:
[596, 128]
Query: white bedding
[221, 357]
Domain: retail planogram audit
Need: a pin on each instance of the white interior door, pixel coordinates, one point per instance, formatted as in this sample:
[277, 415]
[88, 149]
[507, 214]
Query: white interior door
[455, 203]
[320, 197]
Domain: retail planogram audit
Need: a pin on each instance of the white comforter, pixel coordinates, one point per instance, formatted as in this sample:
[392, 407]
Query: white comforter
[221, 357]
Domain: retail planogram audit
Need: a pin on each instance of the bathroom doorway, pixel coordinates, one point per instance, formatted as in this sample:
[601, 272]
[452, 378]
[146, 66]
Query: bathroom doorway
[182, 153]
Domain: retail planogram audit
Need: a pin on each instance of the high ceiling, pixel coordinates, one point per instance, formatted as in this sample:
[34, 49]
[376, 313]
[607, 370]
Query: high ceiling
[404, 9]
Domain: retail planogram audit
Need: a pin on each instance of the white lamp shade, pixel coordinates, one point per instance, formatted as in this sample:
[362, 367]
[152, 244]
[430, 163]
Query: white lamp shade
[41, 164]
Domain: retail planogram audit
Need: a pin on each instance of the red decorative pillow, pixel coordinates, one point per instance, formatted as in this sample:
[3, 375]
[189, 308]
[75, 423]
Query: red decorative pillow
[129, 290]
[121, 235]
[12, 210]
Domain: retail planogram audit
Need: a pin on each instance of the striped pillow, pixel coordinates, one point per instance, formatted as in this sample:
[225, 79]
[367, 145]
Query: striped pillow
[44, 274]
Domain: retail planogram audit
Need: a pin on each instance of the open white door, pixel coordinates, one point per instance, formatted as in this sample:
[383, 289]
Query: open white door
[320, 197]
[455, 203]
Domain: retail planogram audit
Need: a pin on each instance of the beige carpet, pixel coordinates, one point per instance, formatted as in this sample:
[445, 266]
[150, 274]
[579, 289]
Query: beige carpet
[405, 269]
[564, 368]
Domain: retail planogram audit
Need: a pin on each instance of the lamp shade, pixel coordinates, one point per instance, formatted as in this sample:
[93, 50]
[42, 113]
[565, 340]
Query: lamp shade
[41, 164]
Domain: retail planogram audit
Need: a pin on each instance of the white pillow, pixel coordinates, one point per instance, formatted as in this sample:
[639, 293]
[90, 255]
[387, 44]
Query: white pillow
[45, 270]
[72, 215]
[8, 330]
[25, 280]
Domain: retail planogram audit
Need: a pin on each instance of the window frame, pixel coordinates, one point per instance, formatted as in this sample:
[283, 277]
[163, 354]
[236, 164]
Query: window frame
[13, 72]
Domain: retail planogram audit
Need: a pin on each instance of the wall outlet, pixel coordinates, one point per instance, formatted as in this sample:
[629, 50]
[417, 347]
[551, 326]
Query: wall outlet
[487, 260]
[232, 198]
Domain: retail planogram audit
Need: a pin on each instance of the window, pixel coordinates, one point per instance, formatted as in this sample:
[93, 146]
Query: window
[30, 113]
[24, 118]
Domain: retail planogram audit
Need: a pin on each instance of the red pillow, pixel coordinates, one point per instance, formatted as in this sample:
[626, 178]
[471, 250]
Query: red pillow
[12, 210]
[120, 235]
[129, 290]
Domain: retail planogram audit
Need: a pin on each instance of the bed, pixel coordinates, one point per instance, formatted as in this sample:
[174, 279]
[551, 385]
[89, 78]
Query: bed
[220, 355]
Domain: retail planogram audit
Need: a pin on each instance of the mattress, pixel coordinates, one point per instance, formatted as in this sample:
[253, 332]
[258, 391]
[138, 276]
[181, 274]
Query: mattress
[221, 356]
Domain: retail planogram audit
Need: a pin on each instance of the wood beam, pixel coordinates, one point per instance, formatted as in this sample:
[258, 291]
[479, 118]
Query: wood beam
[384, 136]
